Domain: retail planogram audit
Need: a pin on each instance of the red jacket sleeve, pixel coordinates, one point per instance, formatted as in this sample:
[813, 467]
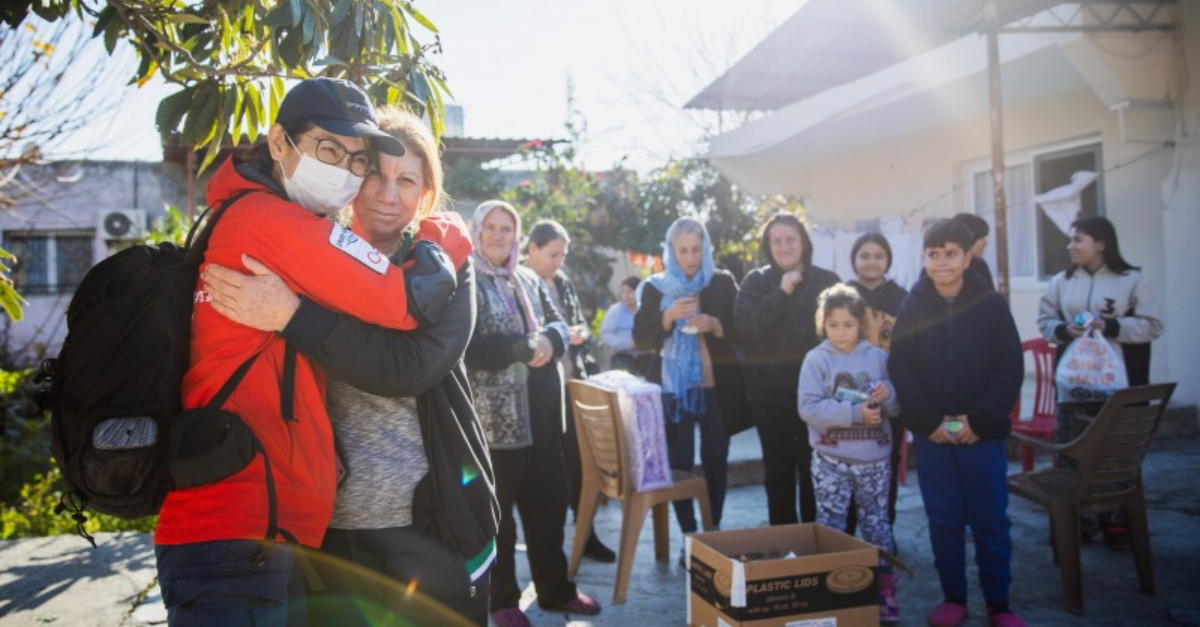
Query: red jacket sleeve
[448, 230]
[347, 275]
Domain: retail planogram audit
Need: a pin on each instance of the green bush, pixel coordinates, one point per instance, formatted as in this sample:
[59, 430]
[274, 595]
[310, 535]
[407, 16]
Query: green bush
[30, 483]
[25, 437]
[34, 515]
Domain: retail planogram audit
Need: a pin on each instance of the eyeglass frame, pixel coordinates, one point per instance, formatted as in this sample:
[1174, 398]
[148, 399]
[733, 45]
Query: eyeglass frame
[367, 154]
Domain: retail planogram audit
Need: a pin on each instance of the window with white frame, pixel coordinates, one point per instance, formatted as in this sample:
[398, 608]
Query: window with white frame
[1037, 250]
[49, 262]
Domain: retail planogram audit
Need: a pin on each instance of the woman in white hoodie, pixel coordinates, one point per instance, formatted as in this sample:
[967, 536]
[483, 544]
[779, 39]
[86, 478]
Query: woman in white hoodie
[1122, 306]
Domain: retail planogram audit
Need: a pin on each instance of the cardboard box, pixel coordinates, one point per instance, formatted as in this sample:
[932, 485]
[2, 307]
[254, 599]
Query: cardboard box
[747, 578]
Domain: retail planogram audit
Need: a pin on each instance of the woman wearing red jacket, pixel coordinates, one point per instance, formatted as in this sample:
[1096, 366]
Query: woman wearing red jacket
[215, 543]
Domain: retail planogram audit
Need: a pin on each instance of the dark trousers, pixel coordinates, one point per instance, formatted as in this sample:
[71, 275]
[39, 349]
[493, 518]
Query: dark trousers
[965, 484]
[786, 455]
[369, 571]
[223, 583]
[532, 479]
[714, 454]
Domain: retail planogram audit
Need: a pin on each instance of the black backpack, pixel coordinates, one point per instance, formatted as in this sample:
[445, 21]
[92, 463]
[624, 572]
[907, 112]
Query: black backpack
[114, 388]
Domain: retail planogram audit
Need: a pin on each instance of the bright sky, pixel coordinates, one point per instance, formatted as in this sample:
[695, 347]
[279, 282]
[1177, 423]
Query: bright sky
[633, 63]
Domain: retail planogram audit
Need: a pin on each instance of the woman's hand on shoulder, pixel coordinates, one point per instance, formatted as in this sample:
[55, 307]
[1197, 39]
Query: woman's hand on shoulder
[260, 300]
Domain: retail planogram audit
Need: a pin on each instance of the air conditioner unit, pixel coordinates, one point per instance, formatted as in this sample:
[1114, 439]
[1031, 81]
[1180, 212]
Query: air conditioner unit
[123, 224]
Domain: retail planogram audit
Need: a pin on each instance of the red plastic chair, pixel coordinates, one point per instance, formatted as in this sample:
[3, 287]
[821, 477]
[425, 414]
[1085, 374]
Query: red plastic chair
[1045, 407]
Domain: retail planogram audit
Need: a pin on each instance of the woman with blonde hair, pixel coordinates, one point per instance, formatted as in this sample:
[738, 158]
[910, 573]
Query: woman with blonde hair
[404, 425]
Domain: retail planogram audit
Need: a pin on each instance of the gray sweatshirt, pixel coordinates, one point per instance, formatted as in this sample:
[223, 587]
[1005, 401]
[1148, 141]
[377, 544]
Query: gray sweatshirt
[835, 426]
[379, 440]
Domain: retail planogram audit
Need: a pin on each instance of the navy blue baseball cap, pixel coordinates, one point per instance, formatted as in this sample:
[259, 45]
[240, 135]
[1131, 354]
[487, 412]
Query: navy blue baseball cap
[340, 107]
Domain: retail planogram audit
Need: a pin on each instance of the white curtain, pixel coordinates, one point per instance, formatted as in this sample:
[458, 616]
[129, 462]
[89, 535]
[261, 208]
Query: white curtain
[1022, 225]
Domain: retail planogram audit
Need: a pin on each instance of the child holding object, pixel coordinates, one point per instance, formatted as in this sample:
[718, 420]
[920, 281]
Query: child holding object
[846, 400]
[957, 366]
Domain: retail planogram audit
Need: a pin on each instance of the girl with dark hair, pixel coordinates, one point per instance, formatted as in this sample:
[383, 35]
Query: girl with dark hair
[1123, 308]
[774, 315]
[871, 258]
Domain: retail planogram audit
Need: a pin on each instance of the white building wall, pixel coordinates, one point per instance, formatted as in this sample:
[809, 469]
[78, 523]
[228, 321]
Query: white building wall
[1179, 193]
[932, 170]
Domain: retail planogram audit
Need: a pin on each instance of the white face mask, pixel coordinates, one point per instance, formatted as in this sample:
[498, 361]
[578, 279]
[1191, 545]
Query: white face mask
[319, 187]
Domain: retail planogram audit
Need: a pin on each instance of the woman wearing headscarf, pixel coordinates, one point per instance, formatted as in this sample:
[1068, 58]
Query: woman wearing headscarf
[686, 314]
[775, 315]
[513, 365]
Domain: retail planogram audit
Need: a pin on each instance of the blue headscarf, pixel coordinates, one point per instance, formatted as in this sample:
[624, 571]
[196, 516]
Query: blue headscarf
[682, 365]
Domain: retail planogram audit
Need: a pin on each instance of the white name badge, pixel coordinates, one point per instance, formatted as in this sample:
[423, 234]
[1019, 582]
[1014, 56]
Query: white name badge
[344, 240]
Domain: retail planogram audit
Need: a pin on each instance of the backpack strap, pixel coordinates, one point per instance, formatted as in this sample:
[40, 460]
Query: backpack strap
[287, 385]
[231, 384]
[199, 242]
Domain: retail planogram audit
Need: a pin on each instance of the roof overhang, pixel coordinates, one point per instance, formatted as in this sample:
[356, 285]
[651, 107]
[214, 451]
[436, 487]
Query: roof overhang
[933, 89]
[829, 43]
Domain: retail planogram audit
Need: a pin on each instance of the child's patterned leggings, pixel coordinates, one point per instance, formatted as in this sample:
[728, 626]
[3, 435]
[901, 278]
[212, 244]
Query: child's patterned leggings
[835, 481]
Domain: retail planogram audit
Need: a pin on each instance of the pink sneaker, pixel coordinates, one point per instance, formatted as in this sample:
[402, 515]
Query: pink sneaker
[889, 610]
[510, 617]
[1006, 619]
[582, 605]
[948, 615]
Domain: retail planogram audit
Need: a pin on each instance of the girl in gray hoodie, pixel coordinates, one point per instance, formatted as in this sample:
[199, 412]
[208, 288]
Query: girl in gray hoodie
[845, 398]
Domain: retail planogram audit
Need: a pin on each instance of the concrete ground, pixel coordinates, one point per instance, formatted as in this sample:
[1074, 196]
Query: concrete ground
[62, 581]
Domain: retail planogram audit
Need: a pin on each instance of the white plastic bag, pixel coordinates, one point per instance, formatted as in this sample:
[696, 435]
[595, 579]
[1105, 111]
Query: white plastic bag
[1091, 369]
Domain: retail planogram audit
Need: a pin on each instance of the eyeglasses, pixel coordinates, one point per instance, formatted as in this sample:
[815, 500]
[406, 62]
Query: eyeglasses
[332, 152]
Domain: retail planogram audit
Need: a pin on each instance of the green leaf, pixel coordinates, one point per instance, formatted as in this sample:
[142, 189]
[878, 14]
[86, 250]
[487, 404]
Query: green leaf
[279, 17]
[12, 302]
[214, 148]
[107, 14]
[254, 111]
[171, 111]
[420, 17]
[277, 88]
[112, 33]
[418, 85]
[298, 10]
[187, 18]
[239, 112]
[341, 9]
[202, 115]
[399, 26]
[310, 27]
[441, 85]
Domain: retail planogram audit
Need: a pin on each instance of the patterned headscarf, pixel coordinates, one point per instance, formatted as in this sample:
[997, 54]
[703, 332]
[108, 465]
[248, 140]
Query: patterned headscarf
[502, 276]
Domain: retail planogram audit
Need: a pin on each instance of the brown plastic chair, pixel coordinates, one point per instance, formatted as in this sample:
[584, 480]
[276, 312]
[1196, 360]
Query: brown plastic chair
[603, 454]
[1108, 475]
